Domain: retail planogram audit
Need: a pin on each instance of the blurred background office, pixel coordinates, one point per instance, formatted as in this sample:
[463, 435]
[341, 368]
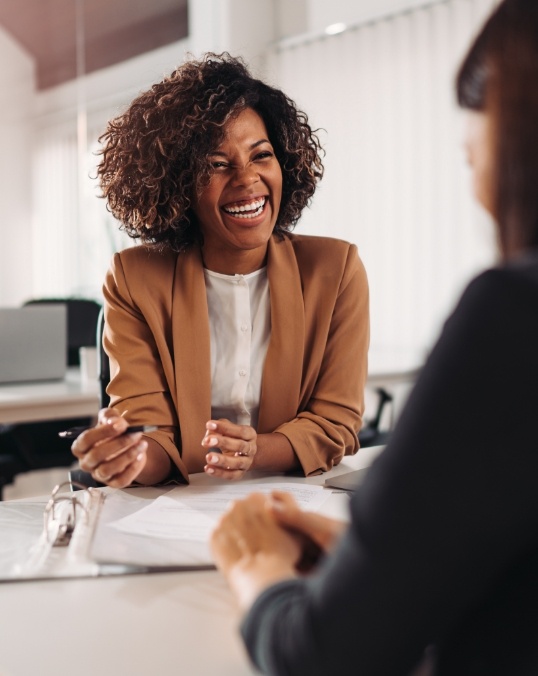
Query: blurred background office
[376, 78]
[374, 75]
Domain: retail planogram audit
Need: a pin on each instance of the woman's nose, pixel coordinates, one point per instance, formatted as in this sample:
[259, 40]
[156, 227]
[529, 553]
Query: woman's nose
[246, 175]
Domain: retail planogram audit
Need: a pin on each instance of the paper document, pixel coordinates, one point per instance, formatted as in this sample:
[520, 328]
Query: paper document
[192, 513]
[120, 532]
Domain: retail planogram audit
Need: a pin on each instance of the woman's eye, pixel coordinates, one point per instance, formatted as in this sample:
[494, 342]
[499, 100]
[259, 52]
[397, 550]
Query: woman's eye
[264, 155]
[219, 165]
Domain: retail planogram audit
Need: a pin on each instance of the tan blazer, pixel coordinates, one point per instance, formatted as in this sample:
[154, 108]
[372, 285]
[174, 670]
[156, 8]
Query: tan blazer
[157, 337]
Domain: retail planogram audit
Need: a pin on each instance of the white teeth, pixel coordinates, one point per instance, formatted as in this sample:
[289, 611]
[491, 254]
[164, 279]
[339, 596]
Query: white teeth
[247, 210]
[252, 214]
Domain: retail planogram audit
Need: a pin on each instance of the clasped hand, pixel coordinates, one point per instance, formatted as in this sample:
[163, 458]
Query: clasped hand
[263, 539]
[231, 448]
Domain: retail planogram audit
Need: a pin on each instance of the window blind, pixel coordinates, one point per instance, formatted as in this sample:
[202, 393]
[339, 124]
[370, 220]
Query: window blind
[396, 180]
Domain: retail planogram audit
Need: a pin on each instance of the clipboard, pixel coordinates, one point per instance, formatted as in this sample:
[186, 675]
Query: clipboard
[70, 539]
[97, 532]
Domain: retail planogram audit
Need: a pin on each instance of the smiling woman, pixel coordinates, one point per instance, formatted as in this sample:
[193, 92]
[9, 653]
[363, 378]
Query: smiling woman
[238, 209]
[245, 344]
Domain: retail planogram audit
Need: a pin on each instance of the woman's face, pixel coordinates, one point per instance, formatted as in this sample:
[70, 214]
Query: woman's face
[479, 149]
[238, 209]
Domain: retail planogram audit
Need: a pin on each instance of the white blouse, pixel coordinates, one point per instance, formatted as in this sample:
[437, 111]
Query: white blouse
[240, 327]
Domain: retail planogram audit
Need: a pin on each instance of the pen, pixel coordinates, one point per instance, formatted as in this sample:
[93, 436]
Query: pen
[74, 432]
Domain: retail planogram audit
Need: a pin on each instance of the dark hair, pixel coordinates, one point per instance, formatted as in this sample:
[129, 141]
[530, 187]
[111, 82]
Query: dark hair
[155, 155]
[500, 75]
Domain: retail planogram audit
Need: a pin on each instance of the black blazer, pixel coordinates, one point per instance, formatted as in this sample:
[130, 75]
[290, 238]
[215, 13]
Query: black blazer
[442, 551]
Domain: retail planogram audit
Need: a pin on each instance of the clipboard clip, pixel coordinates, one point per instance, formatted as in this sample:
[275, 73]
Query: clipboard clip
[62, 512]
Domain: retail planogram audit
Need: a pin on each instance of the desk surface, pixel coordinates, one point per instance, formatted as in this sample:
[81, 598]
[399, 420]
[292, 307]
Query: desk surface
[50, 400]
[166, 623]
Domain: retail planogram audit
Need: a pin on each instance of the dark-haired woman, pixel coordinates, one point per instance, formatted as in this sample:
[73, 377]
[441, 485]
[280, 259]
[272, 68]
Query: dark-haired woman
[244, 343]
[440, 561]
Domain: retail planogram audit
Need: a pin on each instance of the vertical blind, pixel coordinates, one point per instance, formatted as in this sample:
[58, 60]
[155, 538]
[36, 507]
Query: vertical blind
[74, 236]
[396, 181]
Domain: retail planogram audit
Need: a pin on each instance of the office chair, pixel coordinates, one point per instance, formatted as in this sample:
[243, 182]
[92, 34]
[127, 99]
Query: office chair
[370, 434]
[79, 476]
[103, 362]
[29, 446]
[10, 463]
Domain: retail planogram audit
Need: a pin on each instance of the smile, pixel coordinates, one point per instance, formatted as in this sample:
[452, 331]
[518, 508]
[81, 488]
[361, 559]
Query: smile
[249, 210]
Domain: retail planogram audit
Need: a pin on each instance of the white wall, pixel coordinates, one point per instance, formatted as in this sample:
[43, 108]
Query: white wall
[310, 17]
[16, 114]
[322, 13]
[109, 88]
[242, 27]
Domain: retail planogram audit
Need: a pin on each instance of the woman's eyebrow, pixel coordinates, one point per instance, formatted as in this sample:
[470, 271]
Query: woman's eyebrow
[259, 143]
[221, 153]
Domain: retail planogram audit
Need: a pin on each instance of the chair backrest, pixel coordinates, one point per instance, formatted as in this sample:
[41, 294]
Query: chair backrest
[371, 434]
[79, 476]
[103, 363]
[82, 315]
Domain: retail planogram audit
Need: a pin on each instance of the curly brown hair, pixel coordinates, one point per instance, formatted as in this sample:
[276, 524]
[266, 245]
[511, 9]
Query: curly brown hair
[155, 155]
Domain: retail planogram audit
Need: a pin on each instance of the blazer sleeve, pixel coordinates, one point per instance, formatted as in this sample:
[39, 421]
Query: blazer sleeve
[327, 424]
[141, 367]
[441, 522]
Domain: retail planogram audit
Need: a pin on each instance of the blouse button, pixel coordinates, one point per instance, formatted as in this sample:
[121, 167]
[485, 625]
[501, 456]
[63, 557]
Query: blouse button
[244, 327]
[242, 372]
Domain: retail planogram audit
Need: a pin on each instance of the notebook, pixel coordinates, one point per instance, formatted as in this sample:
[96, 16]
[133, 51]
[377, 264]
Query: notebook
[33, 343]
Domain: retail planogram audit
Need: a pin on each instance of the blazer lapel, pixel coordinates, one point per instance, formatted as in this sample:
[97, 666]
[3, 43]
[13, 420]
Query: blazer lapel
[192, 358]
[282, 373]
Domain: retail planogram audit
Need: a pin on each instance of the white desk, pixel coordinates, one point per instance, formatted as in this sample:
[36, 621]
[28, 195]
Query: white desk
[167, 623]
[52, 400]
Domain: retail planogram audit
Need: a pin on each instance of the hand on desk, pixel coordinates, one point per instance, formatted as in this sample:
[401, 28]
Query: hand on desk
[263, 540]
[315, 529]
[234, 448]
[111, 457]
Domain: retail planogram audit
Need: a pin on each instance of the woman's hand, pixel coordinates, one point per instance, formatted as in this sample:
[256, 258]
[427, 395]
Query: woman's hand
[319, 530]
[111, 457]
[234, 448]
[252, 550]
